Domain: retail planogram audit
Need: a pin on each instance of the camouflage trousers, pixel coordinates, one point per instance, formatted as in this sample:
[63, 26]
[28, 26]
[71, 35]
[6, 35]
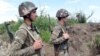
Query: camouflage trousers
[62, 53]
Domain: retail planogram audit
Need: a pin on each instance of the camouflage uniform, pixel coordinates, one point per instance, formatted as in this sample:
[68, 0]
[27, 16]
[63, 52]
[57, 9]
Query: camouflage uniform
[23, 42]
[22, 45]
[60, 44]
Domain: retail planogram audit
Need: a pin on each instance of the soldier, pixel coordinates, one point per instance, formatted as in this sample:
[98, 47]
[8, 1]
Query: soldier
[27, 40]
[59, 35]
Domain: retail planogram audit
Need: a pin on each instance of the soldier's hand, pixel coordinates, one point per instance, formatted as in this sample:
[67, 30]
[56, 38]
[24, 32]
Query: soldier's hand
[40, 40]
[66, 36]
[37, 44]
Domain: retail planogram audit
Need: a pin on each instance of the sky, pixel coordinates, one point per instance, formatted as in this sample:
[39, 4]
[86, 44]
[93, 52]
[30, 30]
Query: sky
[9, 8]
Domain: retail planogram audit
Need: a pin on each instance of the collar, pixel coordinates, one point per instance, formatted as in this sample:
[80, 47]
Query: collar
[28, 27]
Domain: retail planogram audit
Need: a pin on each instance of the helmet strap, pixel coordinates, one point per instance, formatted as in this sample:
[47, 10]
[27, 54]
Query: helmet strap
[28, 16]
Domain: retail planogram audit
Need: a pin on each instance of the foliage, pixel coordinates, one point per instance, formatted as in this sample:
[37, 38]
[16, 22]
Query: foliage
[72, 21]
[97, 40]
[45, 35]
[2, 30]
[45, 25]
[15, 26]
[81, 17]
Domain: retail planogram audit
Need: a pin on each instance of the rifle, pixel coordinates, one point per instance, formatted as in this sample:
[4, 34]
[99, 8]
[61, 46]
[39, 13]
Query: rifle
[9, 32]
[66, 41]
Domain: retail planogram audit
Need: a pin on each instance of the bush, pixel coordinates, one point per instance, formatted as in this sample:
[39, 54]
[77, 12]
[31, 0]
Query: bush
[97, 40]
[72, 21]
[15, 26]
[45, 25]
[2, 28]
[45, 35]
[81, 17]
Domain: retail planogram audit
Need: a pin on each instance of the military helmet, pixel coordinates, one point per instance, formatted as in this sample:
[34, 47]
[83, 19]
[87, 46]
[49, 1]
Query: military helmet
[62, 13]
[25, 8]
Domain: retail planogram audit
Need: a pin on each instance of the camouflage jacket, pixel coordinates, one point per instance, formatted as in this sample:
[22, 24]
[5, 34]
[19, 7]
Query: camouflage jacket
[57, 37]
[22, 45]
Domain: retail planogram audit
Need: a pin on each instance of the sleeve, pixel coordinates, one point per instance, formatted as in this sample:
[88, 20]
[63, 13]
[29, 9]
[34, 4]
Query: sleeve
[15, 47]
[54, 36]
